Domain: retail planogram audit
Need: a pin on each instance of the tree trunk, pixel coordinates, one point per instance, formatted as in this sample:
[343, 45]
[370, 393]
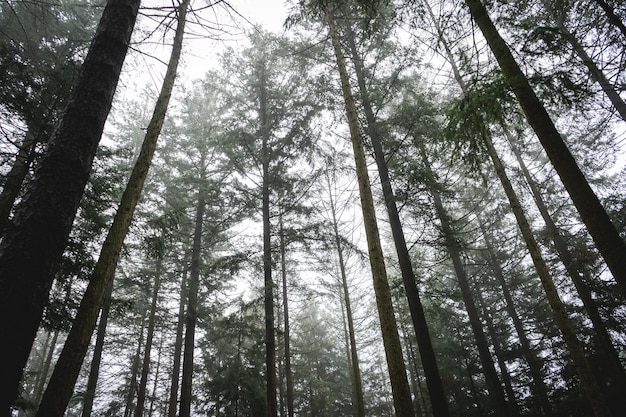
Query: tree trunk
[609, 243]
[145, 368]
[427, 353]
[33, 244]
[94, 370]
[391, 340]
[612, 17]
[595, 72]
[452, 246]
[498, 350]
[538, 387]
[359, 402]
[134, 370]
[178, 348]
[288, 372]
[15, 177]
[156, 377]
[268, 283]
[577, 271]
[588, 381]
[64, 377]
[192, 309]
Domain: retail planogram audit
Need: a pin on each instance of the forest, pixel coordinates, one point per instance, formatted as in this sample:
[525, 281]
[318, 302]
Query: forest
[378, 208]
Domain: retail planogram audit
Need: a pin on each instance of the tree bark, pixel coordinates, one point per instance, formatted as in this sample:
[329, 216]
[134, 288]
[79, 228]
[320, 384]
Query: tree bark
[429, 360]
[66, 371]
[391, 340]
[33, 244]
[94, 370]
[192, 309]
[607, 240]
[134, 370]
[178, 348]
[15, 178]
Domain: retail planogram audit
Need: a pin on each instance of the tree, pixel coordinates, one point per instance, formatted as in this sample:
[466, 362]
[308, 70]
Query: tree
[391, 339]
[64, 377]
[32, 247]
[593, 215]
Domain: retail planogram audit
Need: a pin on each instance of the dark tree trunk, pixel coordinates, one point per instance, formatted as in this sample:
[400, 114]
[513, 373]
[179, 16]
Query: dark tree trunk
[612, 17]
[15, 178]
[145, 368]
[427, 353]
[94, 370]
[607, 240]
[288, 372]
[178, 348]
[452, 246]
[192, 310]
[538, 387]
[588, 380]
[33, 244]
[59, 391]
[391, 339]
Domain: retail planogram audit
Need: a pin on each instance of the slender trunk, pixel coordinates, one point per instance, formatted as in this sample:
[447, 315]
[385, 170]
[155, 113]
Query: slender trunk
[145, 368]
[94, 370]
[33, 244]
[391, 339]
[359, 402]
[538, 387]
[498, 350]
[470, 375]
[15, 178]
[156, 377]
[427, 353]
[452, 246]
[43, 377]
[607, 240]
[134, 370]
[612, 17]
[192, 309]
[596, 73]
[66, 371]
[577, 271]
[288, 373]
[588, 381]
[346, 339]
[178, 348]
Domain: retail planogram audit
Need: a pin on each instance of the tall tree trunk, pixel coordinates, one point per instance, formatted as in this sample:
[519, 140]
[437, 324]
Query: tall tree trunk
[268, 283]
[452, 246]
[15, 177]
[609, 243]
[156, 377]
[578, 273]
[498, 350]
[66, 371]
[32, 247]
[359, 402]
[134, 370]
[391, 340]
[94, 370]
[178, 348]
[145, 368]
[288, 372]
[612, 17]
[192, 309]
[588, 381]
[427, 353]
[556, 12]
[538, 387]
